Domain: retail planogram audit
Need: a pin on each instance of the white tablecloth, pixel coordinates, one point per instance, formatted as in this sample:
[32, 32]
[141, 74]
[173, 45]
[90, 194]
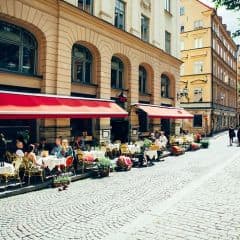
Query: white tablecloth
[95, 153]
[134, 149]
[51, 161]
[151, 153]
[8, 168]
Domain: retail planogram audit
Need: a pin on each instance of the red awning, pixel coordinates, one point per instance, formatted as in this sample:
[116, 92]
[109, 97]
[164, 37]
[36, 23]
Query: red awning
[31, 106]
[154, 111]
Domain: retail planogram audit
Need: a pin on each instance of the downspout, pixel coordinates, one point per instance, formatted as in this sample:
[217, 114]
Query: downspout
[212, 107]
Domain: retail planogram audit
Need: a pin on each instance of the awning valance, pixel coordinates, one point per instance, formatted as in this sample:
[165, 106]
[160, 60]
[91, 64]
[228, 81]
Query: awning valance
[154, 111]
[31, 106]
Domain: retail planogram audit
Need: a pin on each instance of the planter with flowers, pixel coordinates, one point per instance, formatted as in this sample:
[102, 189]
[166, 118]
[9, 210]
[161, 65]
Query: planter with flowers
[124, 163]
[104, 165]
[60, 181]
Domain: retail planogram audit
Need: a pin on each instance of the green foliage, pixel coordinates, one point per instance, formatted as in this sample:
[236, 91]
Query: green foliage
[104, 162]
[205, 143]
[147, 143]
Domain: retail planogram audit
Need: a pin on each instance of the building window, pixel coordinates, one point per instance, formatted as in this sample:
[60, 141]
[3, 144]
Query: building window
[142, 80]
[117, 71]
[167, 5]
[182, 45]
[198, 67]
[120, 14]
[18, 49]
[182, 29]
[198, 95]
[198, 24]
[182, 11]
[144, 28]
[165, 85]
[81, 64]
[86, 5]
[168, 42]
[197, 121]
[198, 42]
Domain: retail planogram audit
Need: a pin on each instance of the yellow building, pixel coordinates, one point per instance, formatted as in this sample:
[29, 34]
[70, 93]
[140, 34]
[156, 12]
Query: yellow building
[238, 84]
[208, 85]
[90, 49]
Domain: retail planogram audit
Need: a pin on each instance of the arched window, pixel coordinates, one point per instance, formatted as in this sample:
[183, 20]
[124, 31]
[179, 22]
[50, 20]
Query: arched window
[165, 85]
[81, 64]
[18, 49]
[117, 71]
[142, 80]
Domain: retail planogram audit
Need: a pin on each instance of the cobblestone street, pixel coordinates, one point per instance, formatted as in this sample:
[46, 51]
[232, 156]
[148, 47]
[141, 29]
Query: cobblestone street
[193, 196]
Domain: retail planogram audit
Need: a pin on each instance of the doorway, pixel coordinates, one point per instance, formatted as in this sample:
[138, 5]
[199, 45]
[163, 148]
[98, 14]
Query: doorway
[120, 130]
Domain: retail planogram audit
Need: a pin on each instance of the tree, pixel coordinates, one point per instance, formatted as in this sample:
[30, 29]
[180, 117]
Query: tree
[230, 5]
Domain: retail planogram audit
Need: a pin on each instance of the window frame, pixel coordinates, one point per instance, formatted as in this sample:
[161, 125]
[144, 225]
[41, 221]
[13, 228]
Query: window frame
[196, 69]
[165, 79]
[182, 11]
[167, 5]
[21, 46]
[85, 62]
[84, 6]
[143, 80]
[119, 71]
[168, 40]
[118, 12]
[145, 31]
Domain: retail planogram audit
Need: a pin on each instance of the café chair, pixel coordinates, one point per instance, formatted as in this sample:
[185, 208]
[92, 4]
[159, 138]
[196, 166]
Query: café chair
[30, 170]
[15, 174]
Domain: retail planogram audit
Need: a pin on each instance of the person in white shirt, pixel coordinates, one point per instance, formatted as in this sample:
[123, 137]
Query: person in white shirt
[161, 141]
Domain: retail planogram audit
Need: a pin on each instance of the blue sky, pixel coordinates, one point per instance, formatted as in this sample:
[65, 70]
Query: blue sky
[229, 17]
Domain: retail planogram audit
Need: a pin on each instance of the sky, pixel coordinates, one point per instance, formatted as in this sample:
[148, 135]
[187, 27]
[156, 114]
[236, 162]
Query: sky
[229, 17]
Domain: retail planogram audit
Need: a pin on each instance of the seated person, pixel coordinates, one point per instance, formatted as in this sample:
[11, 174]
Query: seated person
[30, 155]
[19, 148]
[57, 148]
[66, 149]
[161, 141]
[43, 146]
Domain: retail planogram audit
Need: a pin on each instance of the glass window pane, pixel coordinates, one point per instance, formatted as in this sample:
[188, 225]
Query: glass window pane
[28, 60]
[9, 32]
[9, 56]
[120, 79]
[88, 72]
[78, 71]
[113, 78]
[28, 40]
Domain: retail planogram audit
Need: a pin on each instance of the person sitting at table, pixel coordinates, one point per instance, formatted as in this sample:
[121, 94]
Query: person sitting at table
[161, 141]
[19, 148]
[57, 148]
[31, 156]
[78, 143]
[43, 146]
[66, 149]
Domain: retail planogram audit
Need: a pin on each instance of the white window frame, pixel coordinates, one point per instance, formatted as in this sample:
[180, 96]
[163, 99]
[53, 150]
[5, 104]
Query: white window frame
[198, 67]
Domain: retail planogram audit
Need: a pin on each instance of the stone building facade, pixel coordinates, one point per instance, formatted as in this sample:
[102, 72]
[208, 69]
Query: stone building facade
[67, 48]
[208, 86]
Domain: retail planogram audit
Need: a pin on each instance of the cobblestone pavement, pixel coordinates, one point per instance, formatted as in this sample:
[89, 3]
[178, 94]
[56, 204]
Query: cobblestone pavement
[194, 196]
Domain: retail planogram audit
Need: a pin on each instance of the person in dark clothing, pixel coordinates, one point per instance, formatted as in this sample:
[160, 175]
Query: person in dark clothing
[232, 134]
[238, 136]
[44, 146]
[3, 149]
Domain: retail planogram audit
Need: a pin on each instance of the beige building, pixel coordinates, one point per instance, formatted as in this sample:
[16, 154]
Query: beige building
[238, 84]
[90, 49]
[208, 85]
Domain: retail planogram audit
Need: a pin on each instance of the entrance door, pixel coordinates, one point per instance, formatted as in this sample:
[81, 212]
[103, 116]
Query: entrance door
[165, 126]
[119, 130]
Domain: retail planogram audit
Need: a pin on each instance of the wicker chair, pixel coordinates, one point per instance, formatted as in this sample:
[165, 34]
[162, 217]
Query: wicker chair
[15, 174]
[30, 170]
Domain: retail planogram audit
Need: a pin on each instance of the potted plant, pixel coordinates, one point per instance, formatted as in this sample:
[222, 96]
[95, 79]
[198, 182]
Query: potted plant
[147, 143]
[104, 165]
[204, 143]
[60, 181]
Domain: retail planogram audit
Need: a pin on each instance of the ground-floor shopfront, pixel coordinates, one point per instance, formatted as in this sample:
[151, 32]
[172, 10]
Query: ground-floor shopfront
[209, 119]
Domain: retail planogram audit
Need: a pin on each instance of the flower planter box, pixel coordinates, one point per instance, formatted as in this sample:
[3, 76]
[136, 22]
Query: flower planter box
[204, 144]
[176, 150]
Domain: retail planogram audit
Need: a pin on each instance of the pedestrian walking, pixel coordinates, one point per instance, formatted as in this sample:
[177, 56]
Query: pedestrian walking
[232, 134]
[238, 136]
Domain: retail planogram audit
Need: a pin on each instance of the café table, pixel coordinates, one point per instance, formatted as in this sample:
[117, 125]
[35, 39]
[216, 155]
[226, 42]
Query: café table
[7, 168]
[51, 161]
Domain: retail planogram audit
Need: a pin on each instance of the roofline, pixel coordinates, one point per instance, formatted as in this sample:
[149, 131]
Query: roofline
[204, 4]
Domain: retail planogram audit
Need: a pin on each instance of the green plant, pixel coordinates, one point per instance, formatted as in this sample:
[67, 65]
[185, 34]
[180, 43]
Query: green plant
[204, 143]
[104, 162]
[147, 143]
